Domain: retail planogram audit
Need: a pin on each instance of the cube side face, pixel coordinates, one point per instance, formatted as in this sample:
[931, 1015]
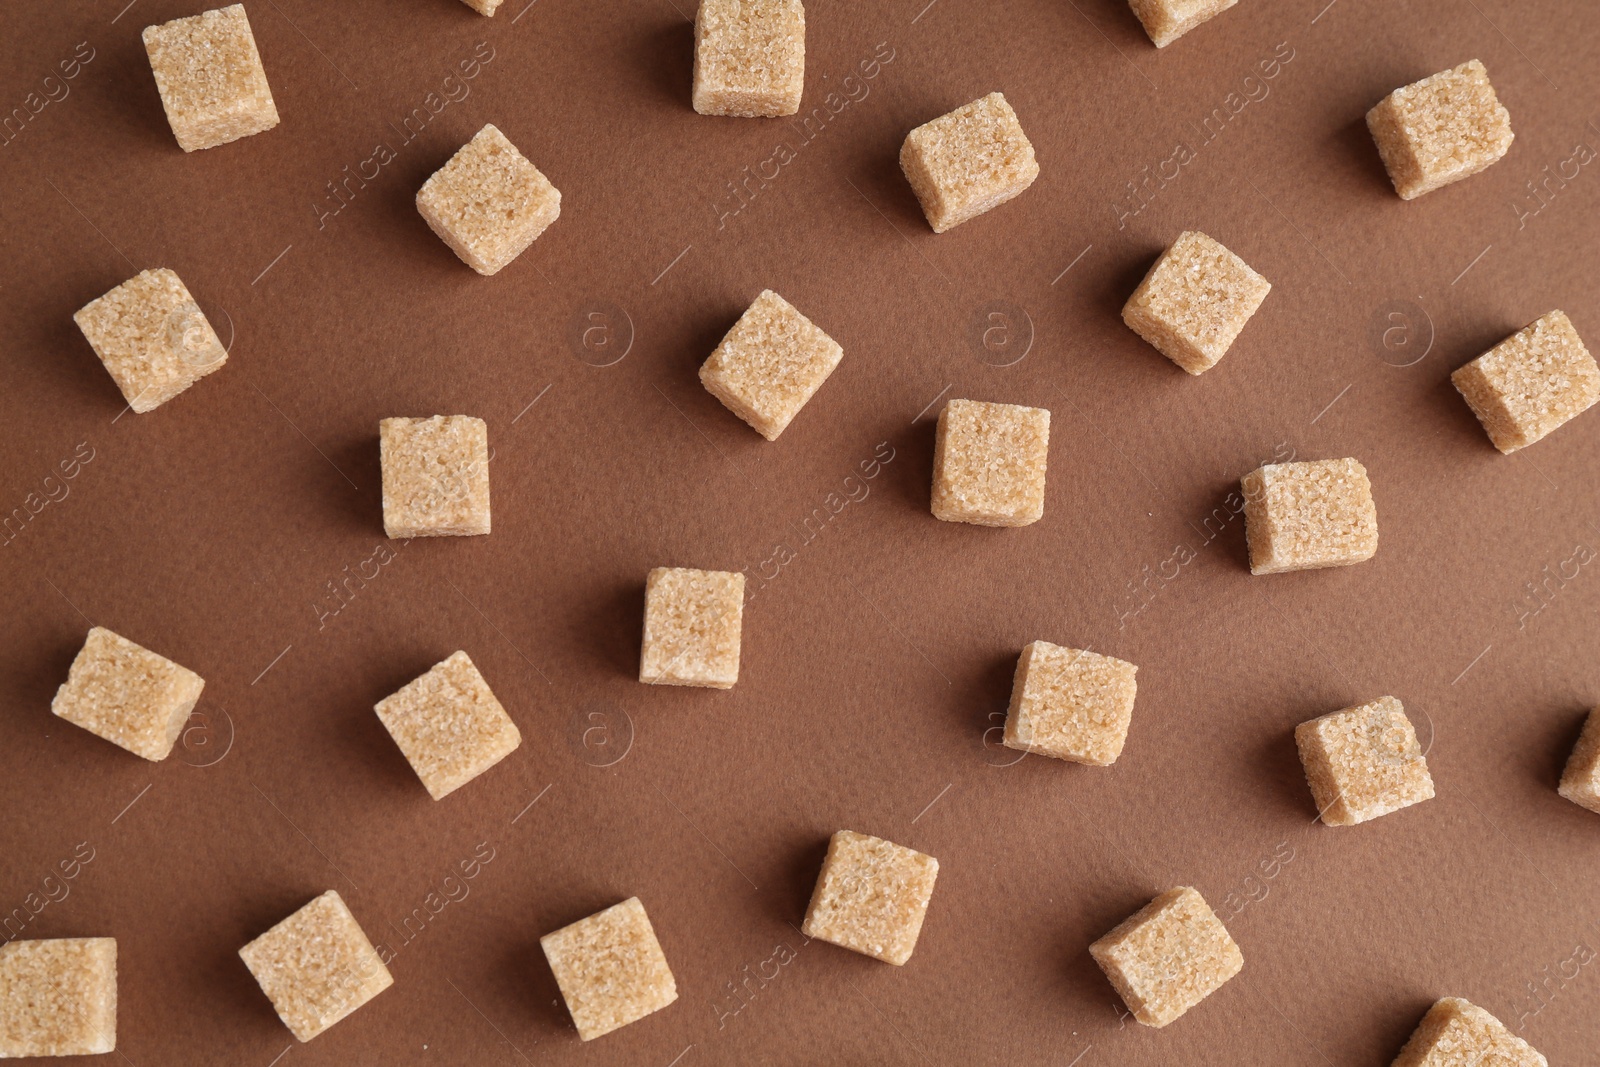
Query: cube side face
[488, 203]
[317, 966]
[968, 162]
[610, 969]
[152, 337]
[1532, 383]
[213, 87]
[692, 628]
[1580, 780]
[871, 897]
[1304, 516]
[1168, 956]
[1167, 20]
[1195, 301]
[1071, 704]
[770, 364]
[435, 476]
[749, 58]
[989, 463]
[1444, 128]
[449, 725]
[58, 997]
[1458, 1033]
[1363, 762]
[483, 7]
[125, 693]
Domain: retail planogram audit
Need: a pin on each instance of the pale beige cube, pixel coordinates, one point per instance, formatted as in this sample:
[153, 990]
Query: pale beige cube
[1363, 762]
[968, 162]
[1441, 129]
[1195, 301]
[210, 77]
[1532, 383]
[127, 694]
[871, 897]
[1168, 956]
[316, 966]
[449, 725]
[483, 7]
[1167, 20]
[749, 57]
[989, 463]
[435, 476]
[1580, 781]
[771, 362]
[152, 337]
[1070, 704]
[693, 621]
[58, 997]
[610, 969]
[488, 203]
[1302, 516]
[1458, 1033]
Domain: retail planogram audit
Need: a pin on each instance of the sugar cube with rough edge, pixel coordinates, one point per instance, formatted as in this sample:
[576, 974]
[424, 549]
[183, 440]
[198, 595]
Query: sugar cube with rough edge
[1167, 20]
[1441, 129]
[967, 162]
[127, 694]
[871, 896]
[449, 725]
[1070, 704]
[1580, 781]
[1302, 516]
[989, 463]
[316, 966]
[1458, 1033]
[1195, 301]
[692, 625]
[488, 203]
[749, 57]
[1533, 382]
[771, 362]
[483, 7]
[1168, 956]
[152, 337]
[210, 77]
[610, 969]
[435, 476]
[1363, 762]
[58, 997]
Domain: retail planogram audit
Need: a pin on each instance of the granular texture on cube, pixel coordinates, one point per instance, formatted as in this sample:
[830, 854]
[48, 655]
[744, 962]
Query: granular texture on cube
[770, 364]
[152, 337]
[1195, 301]
[871, 896]
[1070, 704]
[449, 725]
[1441, 129]
[127, 694]
[316, 966]
[1168, 956]
[488, 203]
[483, 7]
[1533, 382]
[1458, 1033]
[989, 463]
[692, 625]
[1167, 20]
[610, 969]
[749, 57]
[58, 997]
[435, 476]
[1363, 762]
[1580, 781]
[210, 77]
[967, 162]
[1301, 516]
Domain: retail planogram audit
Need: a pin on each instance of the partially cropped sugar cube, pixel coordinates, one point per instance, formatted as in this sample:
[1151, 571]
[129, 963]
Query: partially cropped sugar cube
[1168, 956]
[1363, 762]
[692, 625]
[610, 969]
[127, 694]
[871, 896]
[770, 364]
[1441, 129]
[58, 997]
[989, 463]
[449, 725]
[1458, 1033]
[483, 7]
[1070, 704]
[1301, 516]
[488, 203]
[210, 77]
[1531, 383]
[1580, 782]
[435, 476]
[749, 57]
[152, 337]
[1195, 301]
[316, 966]
[1167, 20]
[967, 162]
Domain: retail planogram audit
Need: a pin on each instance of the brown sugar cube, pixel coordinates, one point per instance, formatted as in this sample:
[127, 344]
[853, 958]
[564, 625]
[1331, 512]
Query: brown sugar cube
[449, 725]
[58, 997]
[1195, 301]
[968, 162]
[1301, 516]
[610, 969]
[692, 625]
[210, 78]
[749, 57]
[770, 364]
[483, 7]
[1531, 383]
[1580, 782]
[488, 203]
[871, 897]
[1440, 129]
[1363, 762]
[1070, 704]
[152, 338]
[1457, 1033]
[316, 966]
[1168, 956]
[127, 694]
[435, 476]
[1167, 20]
[989, 463]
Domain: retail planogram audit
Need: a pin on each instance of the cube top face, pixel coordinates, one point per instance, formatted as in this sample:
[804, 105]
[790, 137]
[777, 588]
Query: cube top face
[435, 476]
[127, 694]
[1070, 704]
[1167, 20]
[989, 463]
[1363, 762]
[316, 966]
[692, 626]
[1302, 516]
[210, 77]
[1580, 781]
[1168, 956]
[610, 968]
[1441, 129]
[749, 57]
[1458, 1033]
[449, 725]
[1531, 383]
[968, 162]
[152, 337]
[488, 203]
[58, 997]
[871, 896]
[1195, 301]
[771, 362]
